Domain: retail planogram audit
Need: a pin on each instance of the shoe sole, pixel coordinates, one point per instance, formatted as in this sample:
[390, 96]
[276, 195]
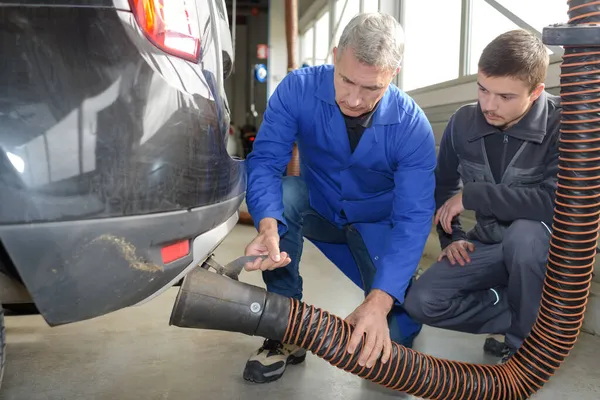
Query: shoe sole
[254, 371]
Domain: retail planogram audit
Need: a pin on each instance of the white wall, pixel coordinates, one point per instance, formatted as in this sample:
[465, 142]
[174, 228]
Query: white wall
[277, 66]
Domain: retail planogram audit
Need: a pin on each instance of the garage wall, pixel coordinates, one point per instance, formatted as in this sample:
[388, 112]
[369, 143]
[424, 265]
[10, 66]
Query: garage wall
[277, 45]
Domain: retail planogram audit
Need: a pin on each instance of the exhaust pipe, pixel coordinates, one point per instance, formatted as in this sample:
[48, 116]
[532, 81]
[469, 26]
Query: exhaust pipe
[209, 300]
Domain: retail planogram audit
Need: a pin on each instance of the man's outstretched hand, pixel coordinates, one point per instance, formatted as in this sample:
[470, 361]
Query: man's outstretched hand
[266, 243]
[371, 318]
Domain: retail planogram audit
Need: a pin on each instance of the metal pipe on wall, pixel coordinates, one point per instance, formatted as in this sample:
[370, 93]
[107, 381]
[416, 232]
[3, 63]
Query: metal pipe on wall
[291, 34]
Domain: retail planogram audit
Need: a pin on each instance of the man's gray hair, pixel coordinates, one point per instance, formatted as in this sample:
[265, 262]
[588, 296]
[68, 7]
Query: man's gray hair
[376, 38]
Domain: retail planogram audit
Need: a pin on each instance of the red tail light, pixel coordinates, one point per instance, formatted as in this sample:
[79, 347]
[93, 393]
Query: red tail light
[170, 25]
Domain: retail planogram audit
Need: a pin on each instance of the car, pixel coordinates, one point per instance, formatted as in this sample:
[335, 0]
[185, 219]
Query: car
[115, 180]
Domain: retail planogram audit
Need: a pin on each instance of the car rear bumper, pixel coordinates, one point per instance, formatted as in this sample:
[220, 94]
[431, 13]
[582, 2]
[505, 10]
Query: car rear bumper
[79, 270]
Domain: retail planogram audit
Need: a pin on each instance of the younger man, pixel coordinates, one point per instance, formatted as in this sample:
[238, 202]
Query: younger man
[504, 151]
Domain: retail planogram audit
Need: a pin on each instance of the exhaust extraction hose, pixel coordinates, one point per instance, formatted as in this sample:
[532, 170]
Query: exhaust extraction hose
[208, 300]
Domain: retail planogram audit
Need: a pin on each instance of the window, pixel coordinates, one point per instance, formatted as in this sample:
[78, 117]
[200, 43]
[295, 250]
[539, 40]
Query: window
[432, 49]
[370, 6]
[352, 8]
[308, 46]
[538, 13]
[487, 24]
[322, 42]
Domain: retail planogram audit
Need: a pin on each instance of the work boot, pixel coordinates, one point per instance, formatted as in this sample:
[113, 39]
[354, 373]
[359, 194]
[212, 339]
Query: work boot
[270, 361]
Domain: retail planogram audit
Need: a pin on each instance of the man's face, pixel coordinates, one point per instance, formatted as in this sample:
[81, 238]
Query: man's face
[358, 87]
[505, 100]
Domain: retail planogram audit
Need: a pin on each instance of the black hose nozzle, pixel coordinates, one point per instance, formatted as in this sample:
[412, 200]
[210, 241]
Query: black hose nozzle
[207, 300]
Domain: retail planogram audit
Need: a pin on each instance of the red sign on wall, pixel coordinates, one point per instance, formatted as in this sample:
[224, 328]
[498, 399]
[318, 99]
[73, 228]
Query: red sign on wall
[262, 51]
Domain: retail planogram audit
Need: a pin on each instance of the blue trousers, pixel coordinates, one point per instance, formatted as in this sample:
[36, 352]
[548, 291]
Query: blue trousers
[303, 221]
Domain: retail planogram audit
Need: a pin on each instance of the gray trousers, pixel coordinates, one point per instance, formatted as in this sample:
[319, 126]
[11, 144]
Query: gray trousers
[498, 292]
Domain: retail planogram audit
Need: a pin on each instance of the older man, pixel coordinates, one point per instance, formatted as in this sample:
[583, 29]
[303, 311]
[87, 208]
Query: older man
[365, 196]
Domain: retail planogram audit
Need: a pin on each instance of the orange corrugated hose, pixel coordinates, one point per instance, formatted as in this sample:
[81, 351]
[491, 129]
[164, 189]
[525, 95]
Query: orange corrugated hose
[569, 268]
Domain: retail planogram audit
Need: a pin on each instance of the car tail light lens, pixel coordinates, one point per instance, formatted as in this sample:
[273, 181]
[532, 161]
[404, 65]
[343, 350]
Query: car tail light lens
[170, 25]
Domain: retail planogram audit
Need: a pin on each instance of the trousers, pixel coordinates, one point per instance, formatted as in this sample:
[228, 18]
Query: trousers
[498, 292]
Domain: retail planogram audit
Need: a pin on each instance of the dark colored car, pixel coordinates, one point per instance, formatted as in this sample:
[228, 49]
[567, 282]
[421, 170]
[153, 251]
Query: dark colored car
[114, 175]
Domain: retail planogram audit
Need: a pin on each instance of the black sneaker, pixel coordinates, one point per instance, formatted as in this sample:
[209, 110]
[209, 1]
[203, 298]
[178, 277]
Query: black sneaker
[506, 357]
[495, 348]
[270, 361]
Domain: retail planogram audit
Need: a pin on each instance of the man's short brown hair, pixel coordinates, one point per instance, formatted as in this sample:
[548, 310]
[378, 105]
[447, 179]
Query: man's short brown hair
[517, 54]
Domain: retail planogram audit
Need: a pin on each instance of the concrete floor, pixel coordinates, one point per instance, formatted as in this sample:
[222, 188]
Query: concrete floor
[134, 354]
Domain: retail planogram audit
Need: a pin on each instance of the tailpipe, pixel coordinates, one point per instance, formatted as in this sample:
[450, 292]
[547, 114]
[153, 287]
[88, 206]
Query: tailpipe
[210, 300]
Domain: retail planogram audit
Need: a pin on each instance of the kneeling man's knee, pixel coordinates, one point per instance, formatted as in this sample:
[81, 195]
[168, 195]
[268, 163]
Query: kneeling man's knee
[526, 238]
[525, 246]
[422, 304]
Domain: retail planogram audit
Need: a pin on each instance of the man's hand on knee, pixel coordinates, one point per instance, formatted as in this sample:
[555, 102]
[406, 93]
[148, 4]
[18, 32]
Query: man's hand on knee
[266, 243]
[370, 318]
[458, 252]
